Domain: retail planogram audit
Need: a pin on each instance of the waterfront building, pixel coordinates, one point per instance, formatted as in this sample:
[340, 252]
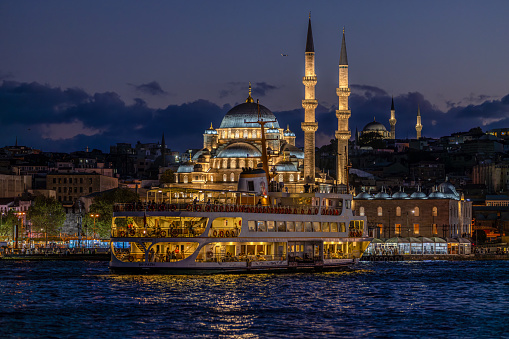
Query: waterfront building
[69, 187]
[442, 213]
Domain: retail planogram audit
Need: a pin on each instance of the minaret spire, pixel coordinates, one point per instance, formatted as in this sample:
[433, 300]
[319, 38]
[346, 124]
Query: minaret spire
[392, 120]
[418, 126]
[343, 114]
[309, 126]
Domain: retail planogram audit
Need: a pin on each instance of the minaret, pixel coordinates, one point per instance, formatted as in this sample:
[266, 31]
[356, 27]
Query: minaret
[418, 126]
[309, 126]
[392, 120]
[343, 114]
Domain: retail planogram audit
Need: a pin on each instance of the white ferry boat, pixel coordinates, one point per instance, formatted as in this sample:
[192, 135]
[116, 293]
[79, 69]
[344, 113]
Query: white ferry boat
[207, 231]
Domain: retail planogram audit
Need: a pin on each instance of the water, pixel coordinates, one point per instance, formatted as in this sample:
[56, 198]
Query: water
[397, 299]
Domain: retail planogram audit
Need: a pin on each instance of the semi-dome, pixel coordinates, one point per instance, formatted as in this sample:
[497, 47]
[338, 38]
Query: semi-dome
[286, 166]
[448, 190]
[294, 151]
[200, 153]
[188, 167]
[240, 150]
[374, 126]
[241, 115]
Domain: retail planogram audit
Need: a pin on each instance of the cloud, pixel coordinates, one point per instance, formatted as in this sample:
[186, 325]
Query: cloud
[258, 89]
[5, 75]
[152, 88]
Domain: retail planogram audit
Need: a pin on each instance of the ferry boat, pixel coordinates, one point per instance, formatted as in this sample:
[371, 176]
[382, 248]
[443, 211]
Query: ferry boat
[210, 231]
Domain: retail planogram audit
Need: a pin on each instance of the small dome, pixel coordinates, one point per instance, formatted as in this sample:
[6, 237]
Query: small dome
[448, 190]
[240, 116]
[374, 126]
[364, 196]
[436, 195]
[294, 151]
[418, 195]
[188, 167]
[400, 195]
[240, 150]
[382, 195]
[288, 133]
[285, 166]
[200, 153]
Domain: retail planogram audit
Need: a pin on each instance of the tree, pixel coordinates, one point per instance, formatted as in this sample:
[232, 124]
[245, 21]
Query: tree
[479, 236]
[47, 214]
[167, 177]
[103, 206]
[7, 224]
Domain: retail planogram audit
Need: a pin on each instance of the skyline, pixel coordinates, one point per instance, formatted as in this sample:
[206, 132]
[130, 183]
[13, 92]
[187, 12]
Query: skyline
[91, 74]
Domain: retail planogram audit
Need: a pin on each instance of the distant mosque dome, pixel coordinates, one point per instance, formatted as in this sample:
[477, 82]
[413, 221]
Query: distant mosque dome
[241, 115]
[364, 196]
[418, 195]
[400, 195]
[382, 195]
[449, 190]
[285, 166]
[374, 126]
[294, 151]
[436, 195]
[186, 168]
[240, 150]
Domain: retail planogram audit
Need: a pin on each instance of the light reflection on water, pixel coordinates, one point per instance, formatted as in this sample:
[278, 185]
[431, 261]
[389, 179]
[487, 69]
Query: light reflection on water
[396, 299]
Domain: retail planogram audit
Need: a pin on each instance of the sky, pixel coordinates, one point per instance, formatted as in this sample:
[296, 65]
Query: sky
[78, 74]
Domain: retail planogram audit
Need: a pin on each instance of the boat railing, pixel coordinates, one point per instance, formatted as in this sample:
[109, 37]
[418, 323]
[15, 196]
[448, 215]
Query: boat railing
[240, 258]
[226, 208]
[152, 232]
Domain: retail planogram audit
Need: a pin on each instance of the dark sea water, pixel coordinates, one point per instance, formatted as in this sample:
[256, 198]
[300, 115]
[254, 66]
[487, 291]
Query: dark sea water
[397, 299]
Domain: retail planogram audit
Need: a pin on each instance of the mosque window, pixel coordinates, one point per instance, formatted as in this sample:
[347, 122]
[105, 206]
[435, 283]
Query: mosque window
[185, 179]
[416, 211]
[229, 134]
[241, 163]
[224, 134]
[211, 178]
[237, 134]
[249, 135]
[361, 211]
[291, 177]
[434, 212]
[280, 178]
[225, 163]
[224, 177]
[232, 177]
[251, 163]
[398, 211]
[379, 210]
[245, 134]
[233, 163]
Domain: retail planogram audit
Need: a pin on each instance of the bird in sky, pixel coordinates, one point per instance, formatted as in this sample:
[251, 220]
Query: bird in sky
[284, 54]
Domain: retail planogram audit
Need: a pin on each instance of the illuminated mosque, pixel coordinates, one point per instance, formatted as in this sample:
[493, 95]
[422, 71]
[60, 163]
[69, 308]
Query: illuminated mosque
[236, 144]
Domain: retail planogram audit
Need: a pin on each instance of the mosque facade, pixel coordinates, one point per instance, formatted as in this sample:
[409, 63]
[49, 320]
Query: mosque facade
[236, 144]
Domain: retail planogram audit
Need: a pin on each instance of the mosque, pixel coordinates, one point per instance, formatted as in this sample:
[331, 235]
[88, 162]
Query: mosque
[236, 144]
[379, 128]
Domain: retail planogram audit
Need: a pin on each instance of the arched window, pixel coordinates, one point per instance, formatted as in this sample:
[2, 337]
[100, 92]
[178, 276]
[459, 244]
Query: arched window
[245, 134]
[416, 211]
[280, 178]
[379, 211]
[224, 177]
[291, 177]
[232, 177]
[434, 213]
[398, 211]
[224, 134]
[185, 179]
[237, 134]
[361, 211]
[241, 163]
[251, 163]
[225, 163]
[211, 178]
[233, 163]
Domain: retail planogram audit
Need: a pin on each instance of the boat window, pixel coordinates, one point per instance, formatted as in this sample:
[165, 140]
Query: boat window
[290, 226]
[270, 226]
[325, 227]
[333, 226]
[261, 226]
[316, 226]
[298, 226]
[281, 226]
[342, 227]
[308, 227]
[252, 225]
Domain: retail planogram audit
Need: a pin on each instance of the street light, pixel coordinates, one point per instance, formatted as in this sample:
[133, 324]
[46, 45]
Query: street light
[95, 216]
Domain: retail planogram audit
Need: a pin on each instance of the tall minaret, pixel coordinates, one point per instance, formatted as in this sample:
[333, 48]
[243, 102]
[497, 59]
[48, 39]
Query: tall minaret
[309, 126]
[418, 126]
[392, 120]
[343, 114]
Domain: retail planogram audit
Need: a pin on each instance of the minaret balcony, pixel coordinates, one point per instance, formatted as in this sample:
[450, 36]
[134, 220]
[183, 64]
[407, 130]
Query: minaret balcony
[342, 91]
[309, 104]
[343, 114]
[309, 126]
[343, 135]
[309, 80]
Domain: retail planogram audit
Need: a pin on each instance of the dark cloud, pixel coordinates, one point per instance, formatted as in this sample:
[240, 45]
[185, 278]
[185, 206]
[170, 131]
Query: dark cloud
[6, 75]
[54, 119]
[260, 89]
[152, 88]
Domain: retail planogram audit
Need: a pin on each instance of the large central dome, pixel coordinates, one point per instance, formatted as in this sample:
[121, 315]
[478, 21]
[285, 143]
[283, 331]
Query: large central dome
[240, 115]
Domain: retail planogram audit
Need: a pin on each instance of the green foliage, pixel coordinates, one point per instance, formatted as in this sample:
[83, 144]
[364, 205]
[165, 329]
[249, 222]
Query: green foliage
[47, 214]
[167, 177]
[103, 206]
[7, 225]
